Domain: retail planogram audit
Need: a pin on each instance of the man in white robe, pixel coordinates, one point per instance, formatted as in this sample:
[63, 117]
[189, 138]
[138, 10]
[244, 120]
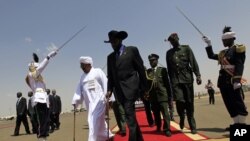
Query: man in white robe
[92, 89]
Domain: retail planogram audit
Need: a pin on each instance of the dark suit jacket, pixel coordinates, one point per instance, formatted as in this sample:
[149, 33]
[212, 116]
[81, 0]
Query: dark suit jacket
[21, 107]
[58, 104]
[52, 103]
[126, 74]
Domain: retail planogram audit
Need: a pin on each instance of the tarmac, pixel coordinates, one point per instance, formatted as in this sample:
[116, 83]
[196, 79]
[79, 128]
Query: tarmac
[211, 121]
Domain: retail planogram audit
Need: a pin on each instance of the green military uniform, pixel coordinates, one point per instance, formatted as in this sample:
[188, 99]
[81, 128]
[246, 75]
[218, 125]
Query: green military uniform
[159, 89]
[181, 65]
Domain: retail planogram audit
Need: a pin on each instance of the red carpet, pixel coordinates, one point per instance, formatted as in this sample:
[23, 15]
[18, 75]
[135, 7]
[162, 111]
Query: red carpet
[149, 133]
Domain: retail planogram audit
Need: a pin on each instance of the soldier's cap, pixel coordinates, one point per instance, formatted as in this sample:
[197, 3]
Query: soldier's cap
[173, 36]
[153, 57]
[113, 34]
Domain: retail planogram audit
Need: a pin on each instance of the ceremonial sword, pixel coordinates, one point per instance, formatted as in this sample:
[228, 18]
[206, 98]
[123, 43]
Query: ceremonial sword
[72, 37]
[182, 13]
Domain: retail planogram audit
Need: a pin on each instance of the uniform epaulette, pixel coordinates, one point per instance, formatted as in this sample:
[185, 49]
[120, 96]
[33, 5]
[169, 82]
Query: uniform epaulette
[240, 48]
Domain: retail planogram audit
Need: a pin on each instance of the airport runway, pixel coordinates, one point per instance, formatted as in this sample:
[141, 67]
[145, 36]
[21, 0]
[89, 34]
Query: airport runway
[211, 121]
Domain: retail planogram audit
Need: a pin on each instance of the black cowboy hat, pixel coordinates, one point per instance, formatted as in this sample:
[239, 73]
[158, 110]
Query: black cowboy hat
[113, 34]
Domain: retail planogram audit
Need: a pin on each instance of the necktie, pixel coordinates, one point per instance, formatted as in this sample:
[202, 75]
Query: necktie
[117, 54]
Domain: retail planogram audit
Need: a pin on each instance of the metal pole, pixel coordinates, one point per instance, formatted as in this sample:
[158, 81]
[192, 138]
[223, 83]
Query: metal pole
[107, 107]
[74, 123]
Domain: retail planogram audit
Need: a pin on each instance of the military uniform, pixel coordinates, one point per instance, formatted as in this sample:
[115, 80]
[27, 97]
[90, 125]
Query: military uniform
[181, 65]
[159, 89]
[232, 66]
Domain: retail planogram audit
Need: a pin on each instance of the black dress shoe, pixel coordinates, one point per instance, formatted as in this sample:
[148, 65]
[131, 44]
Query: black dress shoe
[227, 129]
[194, 131]
[152, 125]
[123, 134]
[158, 130]
[51, 131]
[15, 135]
[168, 134]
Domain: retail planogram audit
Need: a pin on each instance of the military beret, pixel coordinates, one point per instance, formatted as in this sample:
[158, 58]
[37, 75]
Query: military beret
[173, 36]
[153, 56]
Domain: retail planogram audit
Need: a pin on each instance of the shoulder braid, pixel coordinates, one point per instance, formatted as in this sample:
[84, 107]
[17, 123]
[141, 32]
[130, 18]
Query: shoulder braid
[221, 55]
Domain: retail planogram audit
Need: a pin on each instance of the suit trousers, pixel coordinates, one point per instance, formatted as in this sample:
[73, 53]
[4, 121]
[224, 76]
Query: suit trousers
[119, 116]
[19, 119]
[33, 120]
[134, 129]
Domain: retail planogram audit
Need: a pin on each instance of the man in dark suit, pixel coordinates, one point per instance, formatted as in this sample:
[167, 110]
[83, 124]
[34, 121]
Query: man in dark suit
[126, 74]
[57, 109]
[21, 111]
[159, 91]
[51, 110]
[32, 113]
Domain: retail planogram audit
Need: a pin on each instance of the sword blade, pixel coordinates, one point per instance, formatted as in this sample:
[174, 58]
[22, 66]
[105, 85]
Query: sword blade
[182, 13]
[72, 37]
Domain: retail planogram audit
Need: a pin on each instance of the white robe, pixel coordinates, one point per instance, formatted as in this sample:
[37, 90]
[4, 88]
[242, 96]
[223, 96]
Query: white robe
[92, 89]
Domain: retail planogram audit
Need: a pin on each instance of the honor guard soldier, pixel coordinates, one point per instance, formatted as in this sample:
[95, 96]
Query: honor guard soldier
[40, 100]
[230, 79]
[159, 90]
[181, 65]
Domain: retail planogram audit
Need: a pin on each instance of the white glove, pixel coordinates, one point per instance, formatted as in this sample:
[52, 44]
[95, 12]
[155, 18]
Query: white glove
[52, 54]
[236, 85]
[206, 40]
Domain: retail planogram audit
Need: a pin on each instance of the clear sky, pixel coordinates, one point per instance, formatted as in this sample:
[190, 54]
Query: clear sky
[29, 26]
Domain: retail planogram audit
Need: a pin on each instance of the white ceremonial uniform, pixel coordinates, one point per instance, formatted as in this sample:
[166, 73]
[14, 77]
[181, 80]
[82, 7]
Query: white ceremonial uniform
[38, 86]
[92, 89]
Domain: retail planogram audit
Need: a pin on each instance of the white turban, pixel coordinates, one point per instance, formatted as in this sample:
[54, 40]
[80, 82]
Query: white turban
[33, 64]
[86, 60]
[228, 35]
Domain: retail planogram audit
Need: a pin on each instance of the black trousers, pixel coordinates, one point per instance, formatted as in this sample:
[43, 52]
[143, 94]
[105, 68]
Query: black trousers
[233, 100]
[52, 121]
[119, 116]
[211, 96]
[158, 109]
[147, 107]
[33, 120]
[134, 129]
[184, 93]
[42, 113]
[19, 120]
[57, 120]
